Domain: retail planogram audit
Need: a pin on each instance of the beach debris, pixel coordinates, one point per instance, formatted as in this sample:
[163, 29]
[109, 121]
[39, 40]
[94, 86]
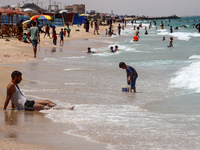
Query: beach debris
[7, 40]
[6, 55]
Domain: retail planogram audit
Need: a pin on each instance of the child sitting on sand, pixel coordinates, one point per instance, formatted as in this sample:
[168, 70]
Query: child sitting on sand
[25, 38]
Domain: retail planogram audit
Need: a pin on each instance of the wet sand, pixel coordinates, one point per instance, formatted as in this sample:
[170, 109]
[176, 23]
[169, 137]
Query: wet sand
[27, 129]
[31, 130]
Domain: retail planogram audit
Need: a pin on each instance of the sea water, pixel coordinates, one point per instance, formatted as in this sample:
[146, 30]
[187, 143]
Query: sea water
[164, 113]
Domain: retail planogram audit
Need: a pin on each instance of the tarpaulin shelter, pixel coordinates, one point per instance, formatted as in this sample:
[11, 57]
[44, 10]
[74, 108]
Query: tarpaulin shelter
[1, 11]
[9, 12]
[17, 12]
[78, 19]
[68, 18]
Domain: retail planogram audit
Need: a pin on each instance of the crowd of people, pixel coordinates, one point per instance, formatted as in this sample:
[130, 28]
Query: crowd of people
[33, 36]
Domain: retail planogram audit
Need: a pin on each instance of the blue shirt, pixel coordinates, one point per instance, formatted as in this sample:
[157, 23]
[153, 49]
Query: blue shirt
[130, 69]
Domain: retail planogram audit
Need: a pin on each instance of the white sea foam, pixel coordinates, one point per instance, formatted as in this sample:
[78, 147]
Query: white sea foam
[185, 36]
[63, 58]
[73, 57]
[75, 83]
[106, 54]
[114, 122]
[188, 78]
[195, 57]
[110, 42]
[72, 69]
[50, 59]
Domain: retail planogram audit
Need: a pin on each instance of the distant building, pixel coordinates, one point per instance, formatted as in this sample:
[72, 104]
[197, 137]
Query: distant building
[76, 8]
[92, 12]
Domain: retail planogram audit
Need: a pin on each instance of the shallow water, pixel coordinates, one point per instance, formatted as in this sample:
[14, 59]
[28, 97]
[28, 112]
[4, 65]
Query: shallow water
[163, 114]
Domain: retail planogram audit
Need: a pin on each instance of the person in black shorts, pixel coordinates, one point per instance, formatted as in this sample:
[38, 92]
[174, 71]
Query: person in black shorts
[18, 99]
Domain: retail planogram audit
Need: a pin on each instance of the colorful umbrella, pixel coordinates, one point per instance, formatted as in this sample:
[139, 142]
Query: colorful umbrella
[42, 17]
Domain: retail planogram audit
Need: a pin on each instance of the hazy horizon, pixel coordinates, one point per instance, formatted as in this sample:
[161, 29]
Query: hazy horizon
[149, 8]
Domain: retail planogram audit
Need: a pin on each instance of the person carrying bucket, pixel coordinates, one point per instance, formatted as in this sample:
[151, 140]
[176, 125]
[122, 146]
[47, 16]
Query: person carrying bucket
[136, 35]
[131, 75]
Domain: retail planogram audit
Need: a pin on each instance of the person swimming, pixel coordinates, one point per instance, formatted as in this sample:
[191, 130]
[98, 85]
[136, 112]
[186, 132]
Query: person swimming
[116, 48]
[89, 50]
[111, 49]
[163, 38]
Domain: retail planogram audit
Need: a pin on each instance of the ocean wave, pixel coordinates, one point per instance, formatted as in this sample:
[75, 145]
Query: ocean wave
[60, 59]
[187, 78]
[106, 54]
[75, 83]
[73, 57]
[194, 57]
[72, 69]
[185, 36]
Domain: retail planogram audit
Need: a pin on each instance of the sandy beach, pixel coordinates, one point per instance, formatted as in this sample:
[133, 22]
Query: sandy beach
[31, 130]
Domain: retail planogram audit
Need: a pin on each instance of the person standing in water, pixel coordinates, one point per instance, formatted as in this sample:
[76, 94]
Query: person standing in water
[131, 75]
[136, 35]
[171, 42]
[171, 30]
[162, 25]
[119, 29]
[198, 27]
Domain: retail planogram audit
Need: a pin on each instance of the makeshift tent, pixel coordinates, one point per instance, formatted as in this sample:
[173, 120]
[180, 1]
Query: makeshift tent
[79, 19]
[68, 18]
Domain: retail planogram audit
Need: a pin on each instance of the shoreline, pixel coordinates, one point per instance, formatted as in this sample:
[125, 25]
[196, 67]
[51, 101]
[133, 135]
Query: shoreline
[16, 52]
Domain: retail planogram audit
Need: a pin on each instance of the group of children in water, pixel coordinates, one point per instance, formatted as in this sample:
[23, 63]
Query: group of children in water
[136, 35]
[112, 50]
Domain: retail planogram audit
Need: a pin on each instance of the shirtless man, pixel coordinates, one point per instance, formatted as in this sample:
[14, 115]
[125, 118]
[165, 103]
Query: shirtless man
[47, 31]
[136, 35]
[18, 100]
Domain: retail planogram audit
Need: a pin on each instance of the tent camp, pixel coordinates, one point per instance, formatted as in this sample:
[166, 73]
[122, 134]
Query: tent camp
[73, 18]
[78, 19]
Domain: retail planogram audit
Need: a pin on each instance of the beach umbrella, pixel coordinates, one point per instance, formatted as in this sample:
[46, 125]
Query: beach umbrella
[41, 17]
[17, 12]
[25, 23]
[1, 11]
[9, 12]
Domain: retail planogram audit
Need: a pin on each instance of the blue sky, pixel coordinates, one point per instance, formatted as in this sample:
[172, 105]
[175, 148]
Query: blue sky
[135, 7]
